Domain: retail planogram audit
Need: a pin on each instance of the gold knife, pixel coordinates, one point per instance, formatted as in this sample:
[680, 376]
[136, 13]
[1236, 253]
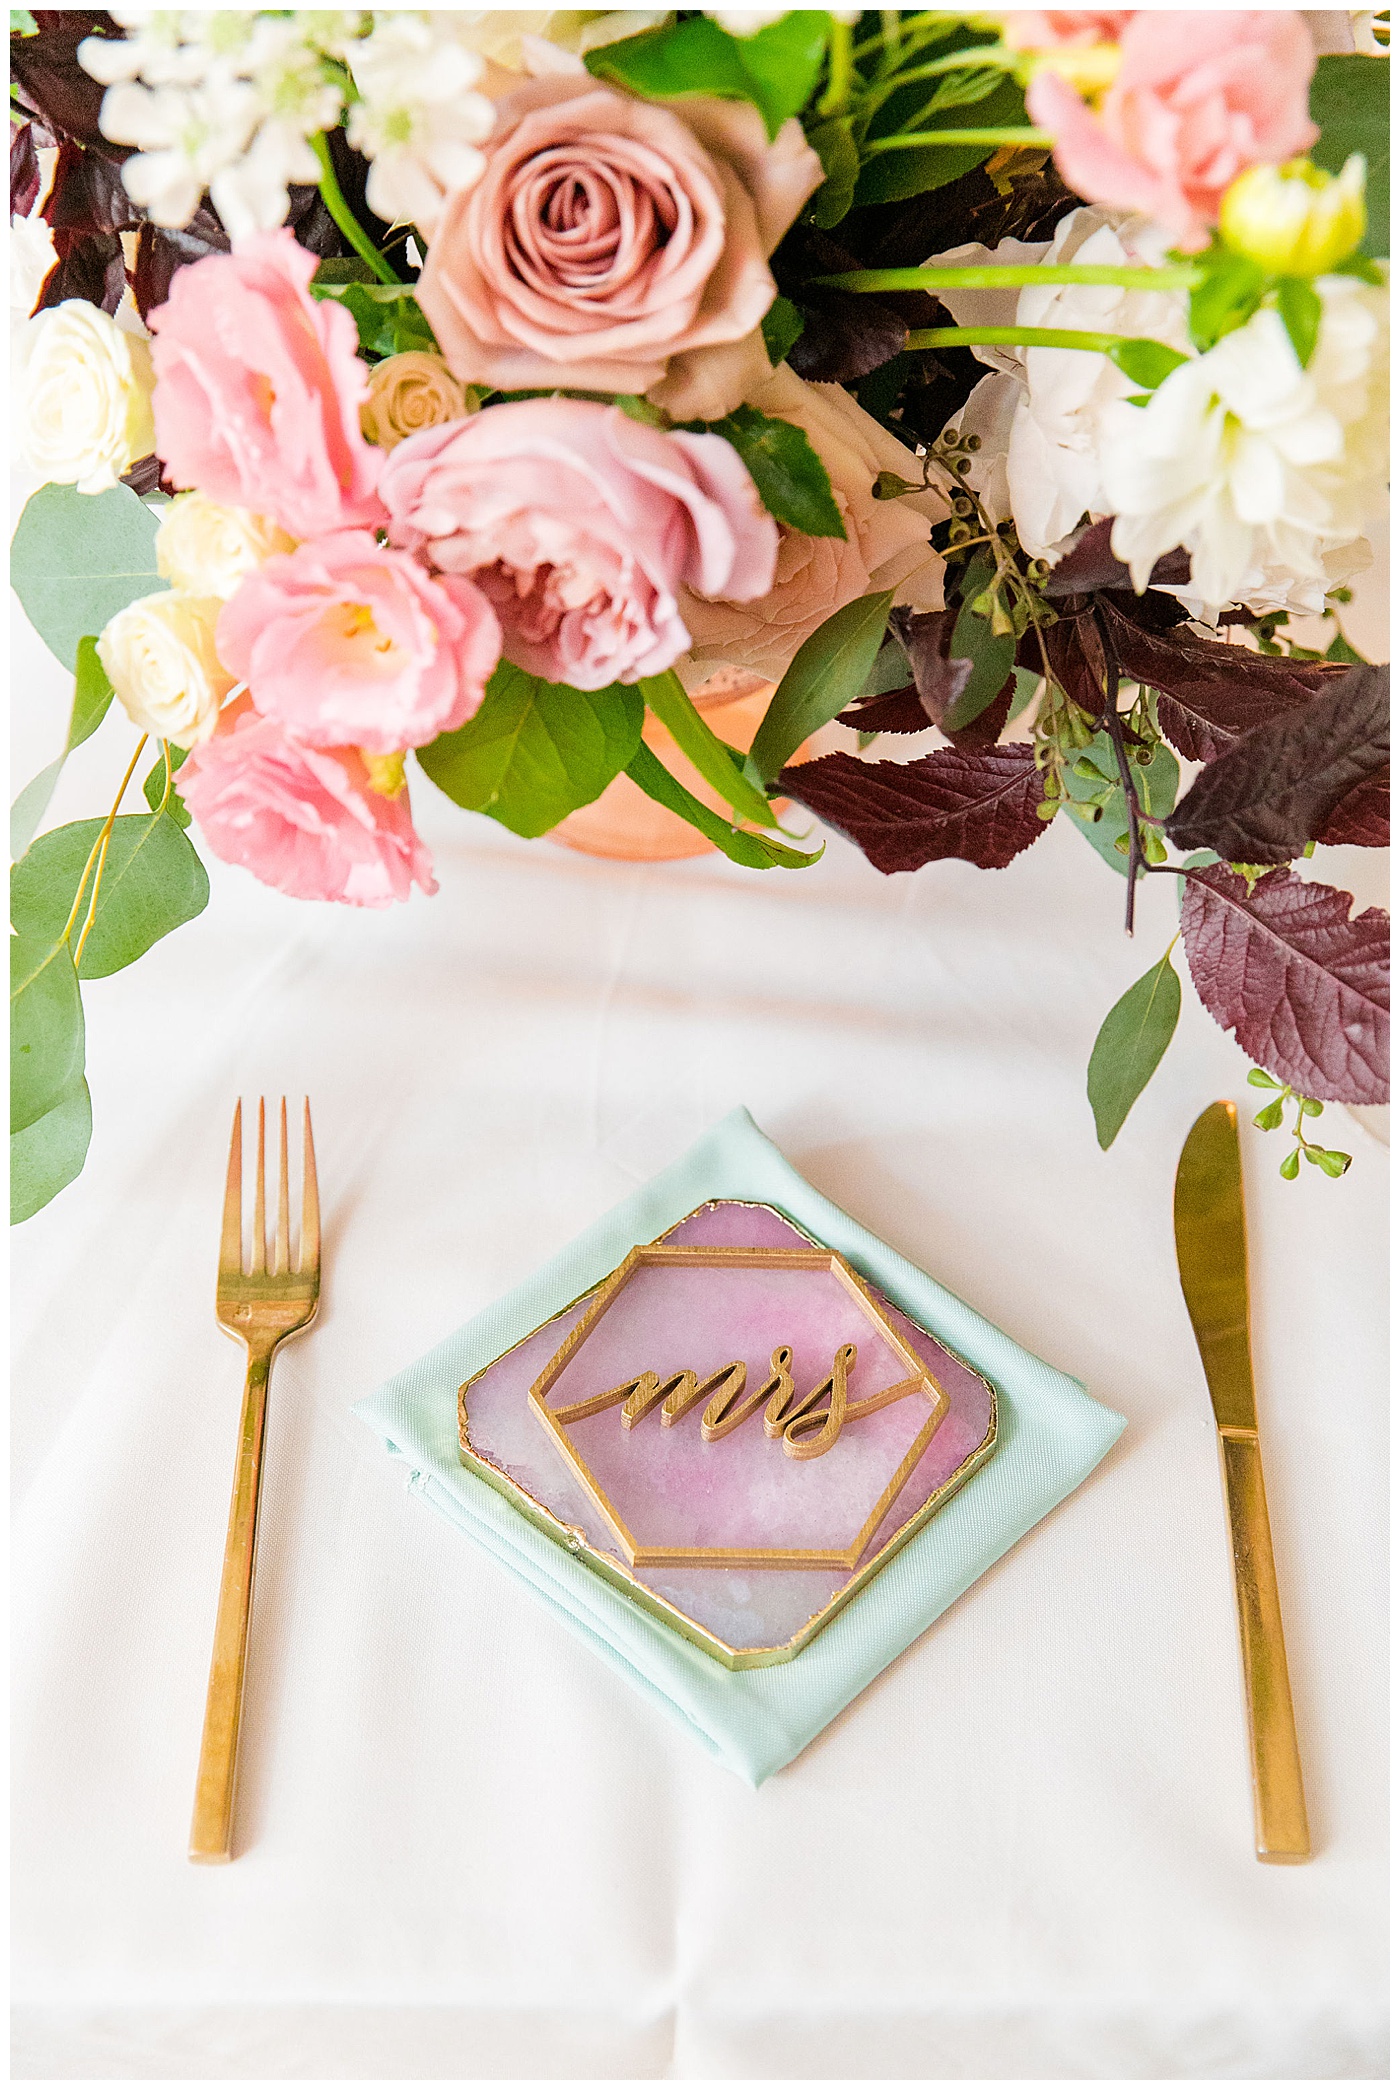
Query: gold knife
[1210, 1255]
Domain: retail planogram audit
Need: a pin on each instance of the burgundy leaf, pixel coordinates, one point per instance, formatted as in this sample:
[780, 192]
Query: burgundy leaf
[88, 195]
[979, 806]
[24, 170]
[45, 71]
[1075, 652]
[1210, 693]
[897, 711]
[144, 476]
[90, 267]
[1264, 799]
[938, 680]
[844, 337]
[1363, 817]
[1304, 987]
[162, 250]
[1091, 564]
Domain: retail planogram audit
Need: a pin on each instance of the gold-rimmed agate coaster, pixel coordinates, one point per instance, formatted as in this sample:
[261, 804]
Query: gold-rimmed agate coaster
[747, 1539]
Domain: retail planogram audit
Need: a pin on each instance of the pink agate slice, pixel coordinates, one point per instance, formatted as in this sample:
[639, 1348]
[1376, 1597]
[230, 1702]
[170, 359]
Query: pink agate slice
[671, 1487]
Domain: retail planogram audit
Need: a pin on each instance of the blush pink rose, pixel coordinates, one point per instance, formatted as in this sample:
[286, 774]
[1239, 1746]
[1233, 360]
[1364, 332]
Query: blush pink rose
[347, 642]
[613, 245]
[306, 820]
[258, 390]
[1197, 99]
[582, 526]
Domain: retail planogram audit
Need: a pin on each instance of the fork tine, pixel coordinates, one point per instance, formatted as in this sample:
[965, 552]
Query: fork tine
[258, 1263]
[309, 1249]
[281, 1253]
[231, 1239]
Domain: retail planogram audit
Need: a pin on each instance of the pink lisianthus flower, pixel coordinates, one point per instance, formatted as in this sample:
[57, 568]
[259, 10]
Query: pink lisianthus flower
[347, 642]
[1051, 29]
[306, 820]
[582, 526]
[258, 390]
[1197, 99]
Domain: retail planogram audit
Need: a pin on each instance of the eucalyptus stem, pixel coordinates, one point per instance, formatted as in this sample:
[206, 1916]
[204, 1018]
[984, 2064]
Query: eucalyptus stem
[1011, 275]
[333, 197]
[1006, 134]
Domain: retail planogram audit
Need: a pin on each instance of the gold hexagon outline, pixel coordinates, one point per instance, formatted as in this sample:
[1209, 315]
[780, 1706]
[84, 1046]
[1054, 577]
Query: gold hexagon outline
[640, 1555]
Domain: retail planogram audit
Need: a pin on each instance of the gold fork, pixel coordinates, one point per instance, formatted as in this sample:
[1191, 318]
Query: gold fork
[259, 1306]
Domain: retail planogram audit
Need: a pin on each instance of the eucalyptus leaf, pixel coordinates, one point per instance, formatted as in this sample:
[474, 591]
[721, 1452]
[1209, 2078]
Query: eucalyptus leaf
[78, 558]
[793, 483]
[46, 1027]
[47, 1155]
[1136, 1032]
[716, 761]
[993, 655]
[152, 882]
[153, 787]
[757, 852]
[92, 695]
[1350, 103]
[536, 751]
[827, 673]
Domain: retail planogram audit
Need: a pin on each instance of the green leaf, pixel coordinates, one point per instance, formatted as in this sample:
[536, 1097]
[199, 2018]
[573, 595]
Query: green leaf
[154, 788]
[78, 558]
[339, 269]
[152, 881]
[775, 69]
[1300, 309]
[92, 694]
[781, 325]
[1157, 786]
[827, 672]
[389, 318]
[1229, 293]
[757, 852]
[536, 751]
[1258, 1079]
[22, 22]
[1025, 692]
[993, 656]
[792, 481]
[834, 144]
[1350, 104]
[1136, 1032]
[46, 1027]
[1145, 362]
[45, 1156]
[891, 176]
[715, 760]
[1270, 1117]
[1288, 1167]
[1342, 649]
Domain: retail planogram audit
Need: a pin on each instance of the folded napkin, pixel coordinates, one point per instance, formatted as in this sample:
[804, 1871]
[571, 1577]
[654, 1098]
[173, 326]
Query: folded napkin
[1051, 1435]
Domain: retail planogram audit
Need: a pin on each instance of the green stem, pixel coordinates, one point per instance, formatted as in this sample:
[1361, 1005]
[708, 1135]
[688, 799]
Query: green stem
[842, 71]
[902, 141]
[1015, 337]
[1012, 276]
[334, 199]
[975, 60]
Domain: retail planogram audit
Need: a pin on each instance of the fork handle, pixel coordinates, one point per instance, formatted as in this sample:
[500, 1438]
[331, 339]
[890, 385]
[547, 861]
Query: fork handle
[212, 1824]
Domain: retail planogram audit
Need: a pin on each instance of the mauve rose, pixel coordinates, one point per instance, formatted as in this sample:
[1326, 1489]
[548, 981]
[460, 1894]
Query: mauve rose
[1197, 99]
[614, 245]
[258, 390]
[306, 820]
[886, 543]
[582, 526]
[347, 642]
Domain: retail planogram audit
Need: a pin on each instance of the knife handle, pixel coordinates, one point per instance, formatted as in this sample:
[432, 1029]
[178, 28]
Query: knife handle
[1280, 1816]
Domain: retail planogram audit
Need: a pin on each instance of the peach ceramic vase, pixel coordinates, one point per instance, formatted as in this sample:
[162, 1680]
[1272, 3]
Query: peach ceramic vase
[625, 823]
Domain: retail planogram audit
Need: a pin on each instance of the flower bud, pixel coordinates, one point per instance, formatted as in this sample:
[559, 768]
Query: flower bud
[1296, 220]
[159, 657]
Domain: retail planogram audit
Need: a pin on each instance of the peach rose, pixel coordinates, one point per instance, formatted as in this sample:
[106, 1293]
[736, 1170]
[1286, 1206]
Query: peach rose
[614, 245]
[886, 545]
[307, 820]
[582, 527]
[1197, 99]
[350, 642]
[410, 391]
[258, 390]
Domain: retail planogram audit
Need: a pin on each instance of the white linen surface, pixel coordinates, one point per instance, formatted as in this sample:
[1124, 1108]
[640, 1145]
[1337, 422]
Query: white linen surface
[468, 1850]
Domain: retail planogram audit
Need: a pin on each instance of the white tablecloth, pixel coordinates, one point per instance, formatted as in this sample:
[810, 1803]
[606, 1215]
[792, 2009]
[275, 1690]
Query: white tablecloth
[469, 1850]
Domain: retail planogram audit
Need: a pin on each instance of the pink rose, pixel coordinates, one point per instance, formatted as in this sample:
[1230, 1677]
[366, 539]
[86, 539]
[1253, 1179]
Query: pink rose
[613, 245]
[306, 820]
[582, 526]
[347, 643]
[1197, 99]
[258, 390]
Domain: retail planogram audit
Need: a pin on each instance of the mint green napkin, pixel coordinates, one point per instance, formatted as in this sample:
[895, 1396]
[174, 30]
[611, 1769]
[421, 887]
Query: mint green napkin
[1051, 1435]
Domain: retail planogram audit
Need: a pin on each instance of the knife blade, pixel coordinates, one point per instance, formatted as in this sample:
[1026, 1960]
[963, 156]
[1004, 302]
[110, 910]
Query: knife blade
[1213, 1263]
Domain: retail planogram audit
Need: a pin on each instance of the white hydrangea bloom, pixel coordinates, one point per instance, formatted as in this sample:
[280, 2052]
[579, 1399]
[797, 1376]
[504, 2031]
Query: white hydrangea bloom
[1263, 470]
[418, 121]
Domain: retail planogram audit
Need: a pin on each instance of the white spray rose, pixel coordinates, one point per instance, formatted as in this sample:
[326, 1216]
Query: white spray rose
[205, 549]
[160, 659]
[83, 414]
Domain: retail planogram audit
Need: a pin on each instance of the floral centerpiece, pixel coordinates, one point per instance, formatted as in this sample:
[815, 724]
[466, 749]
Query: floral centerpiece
[457, 393]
